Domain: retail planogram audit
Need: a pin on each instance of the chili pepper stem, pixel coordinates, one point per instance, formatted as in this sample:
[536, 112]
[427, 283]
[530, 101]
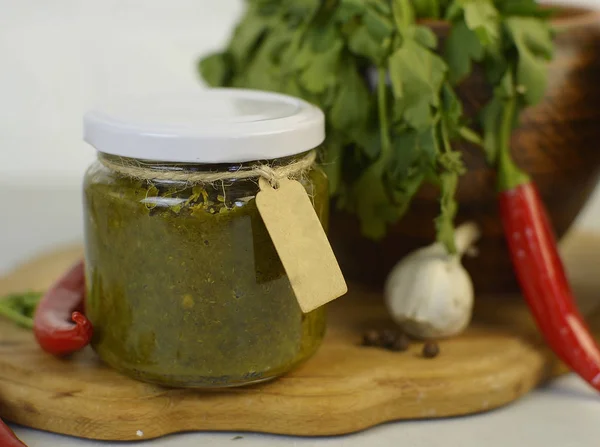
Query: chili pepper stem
[509, 175]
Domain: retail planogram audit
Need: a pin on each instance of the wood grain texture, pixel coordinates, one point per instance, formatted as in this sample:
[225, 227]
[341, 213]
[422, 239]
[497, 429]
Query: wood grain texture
[556, 143]
[343, 389]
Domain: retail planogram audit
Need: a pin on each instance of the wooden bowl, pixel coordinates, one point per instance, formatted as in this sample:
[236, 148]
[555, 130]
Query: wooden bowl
[557, 144]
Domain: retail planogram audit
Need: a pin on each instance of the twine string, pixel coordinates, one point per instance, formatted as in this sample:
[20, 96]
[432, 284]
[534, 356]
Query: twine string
[273, 174]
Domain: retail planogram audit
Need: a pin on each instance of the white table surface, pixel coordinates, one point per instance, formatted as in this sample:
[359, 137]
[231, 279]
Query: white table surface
[565, 413]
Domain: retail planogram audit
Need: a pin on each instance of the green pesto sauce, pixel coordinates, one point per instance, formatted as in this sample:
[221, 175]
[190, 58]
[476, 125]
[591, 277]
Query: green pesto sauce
[185, 287]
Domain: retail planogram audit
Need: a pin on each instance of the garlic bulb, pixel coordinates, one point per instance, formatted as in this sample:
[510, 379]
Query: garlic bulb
[429, 293]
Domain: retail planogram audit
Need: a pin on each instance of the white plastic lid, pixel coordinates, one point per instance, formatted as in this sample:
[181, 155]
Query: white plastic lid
[210, 126]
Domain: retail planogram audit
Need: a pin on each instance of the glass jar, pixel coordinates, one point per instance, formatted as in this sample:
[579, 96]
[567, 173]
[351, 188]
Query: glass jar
[185, 287]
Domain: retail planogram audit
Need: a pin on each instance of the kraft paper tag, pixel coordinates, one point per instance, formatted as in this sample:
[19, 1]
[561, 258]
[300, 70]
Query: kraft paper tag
[301, 243]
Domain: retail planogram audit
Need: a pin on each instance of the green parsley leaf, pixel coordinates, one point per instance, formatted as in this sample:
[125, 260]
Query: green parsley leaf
[533, 41]
[322, 69]
[424, 36]
[264, 71]
[406, 152]
[362, 43]
[291, 86]
[418, 115]
[349, 9]
[452, 109]
[372, 202]
[454, 11]
[302, 9]
[415, 67]
[404, 191]
[410, 149]
[215, 69]
[470, 136]
[417, 75]
[404, 14]
[529, 8]
[452, 162]
[368, 140]
[481, 16]
[430, 9]
[351, 105]
[378, 25]
[462, 47]
[382, 7]
[247, 35]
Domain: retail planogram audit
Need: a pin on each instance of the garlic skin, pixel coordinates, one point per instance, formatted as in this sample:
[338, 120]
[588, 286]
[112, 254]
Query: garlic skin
[429, 293]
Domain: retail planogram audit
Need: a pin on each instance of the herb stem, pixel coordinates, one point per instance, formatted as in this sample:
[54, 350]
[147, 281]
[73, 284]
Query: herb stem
[449, 180]
[386, 144]
[445, 137]
[15, 316]
[471, 136]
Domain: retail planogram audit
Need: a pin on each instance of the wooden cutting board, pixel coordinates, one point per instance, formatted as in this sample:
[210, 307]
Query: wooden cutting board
[344, 388]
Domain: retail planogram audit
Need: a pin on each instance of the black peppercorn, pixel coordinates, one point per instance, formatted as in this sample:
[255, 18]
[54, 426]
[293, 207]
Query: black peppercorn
[388, 337]
[430, 350]
[401, 344]
[371, 338]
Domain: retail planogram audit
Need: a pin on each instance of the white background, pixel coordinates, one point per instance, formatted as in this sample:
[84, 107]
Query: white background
[57, 58]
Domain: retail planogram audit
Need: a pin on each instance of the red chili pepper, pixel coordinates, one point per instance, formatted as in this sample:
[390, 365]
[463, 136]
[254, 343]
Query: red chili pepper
[58, 325]
[8, 438]
[541, 273]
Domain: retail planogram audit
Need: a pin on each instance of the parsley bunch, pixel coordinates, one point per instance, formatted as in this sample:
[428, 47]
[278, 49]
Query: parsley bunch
[387, 88]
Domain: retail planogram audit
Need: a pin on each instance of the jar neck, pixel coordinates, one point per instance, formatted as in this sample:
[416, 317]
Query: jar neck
[179, 167]
[194, 174]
